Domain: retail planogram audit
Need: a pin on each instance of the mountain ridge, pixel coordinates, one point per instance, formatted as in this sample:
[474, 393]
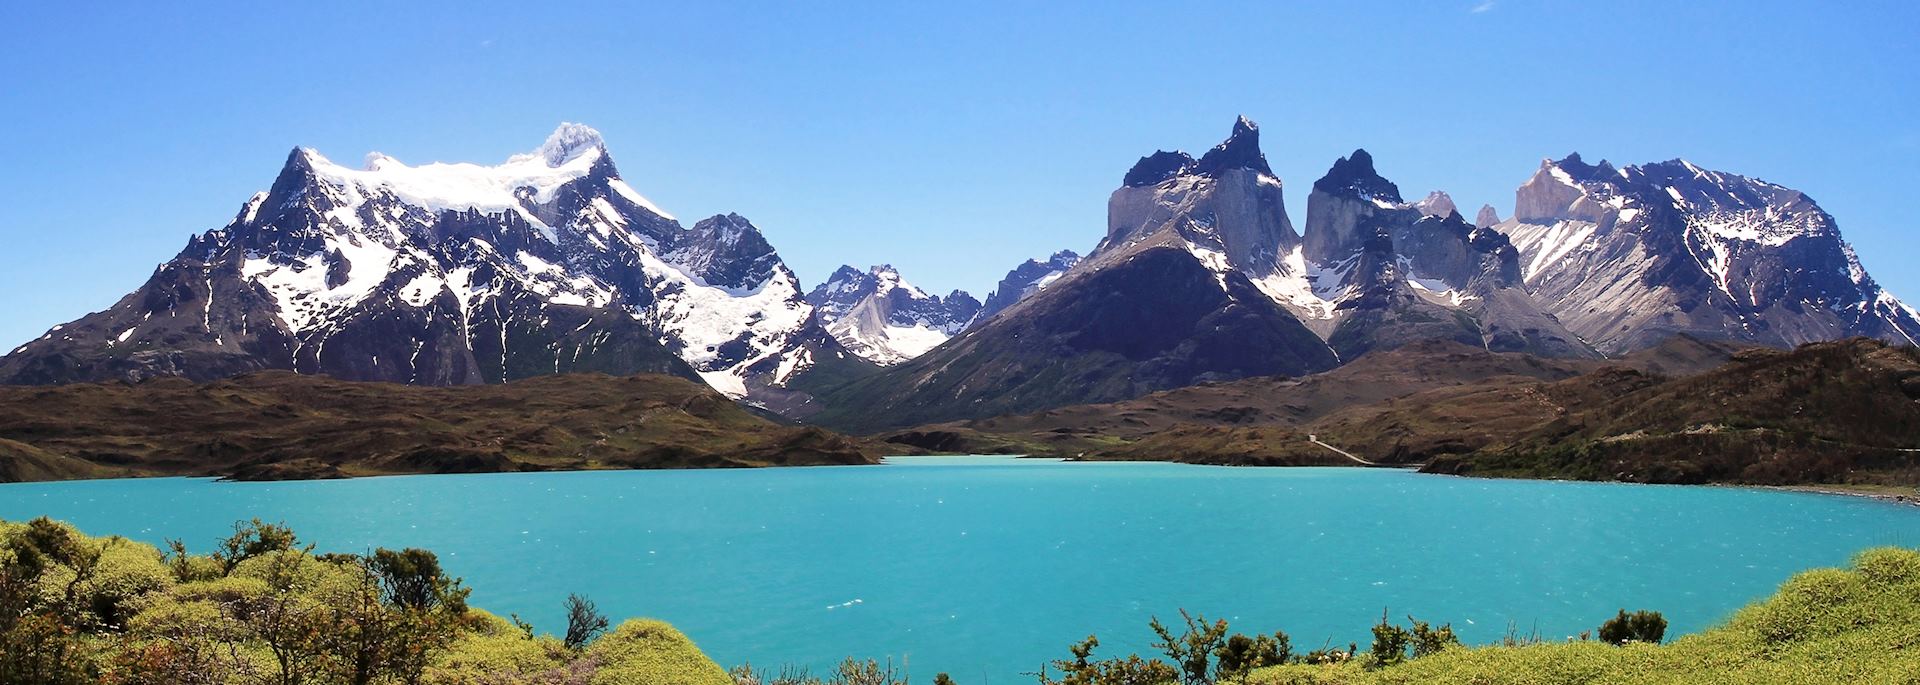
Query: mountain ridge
[450, 274]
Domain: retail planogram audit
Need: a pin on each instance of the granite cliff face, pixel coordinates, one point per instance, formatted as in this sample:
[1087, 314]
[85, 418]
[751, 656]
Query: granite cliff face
[1395, 272]
[1627, 257]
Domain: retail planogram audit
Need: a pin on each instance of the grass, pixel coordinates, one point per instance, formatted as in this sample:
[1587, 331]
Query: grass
[279, 425]
[1854, 626]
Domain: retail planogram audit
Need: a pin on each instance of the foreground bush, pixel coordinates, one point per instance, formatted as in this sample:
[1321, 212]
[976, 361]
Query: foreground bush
[264, 610]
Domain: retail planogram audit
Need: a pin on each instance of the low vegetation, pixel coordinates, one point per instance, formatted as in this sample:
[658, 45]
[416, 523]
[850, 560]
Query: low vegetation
[1842, 626]
[264, 609]
[1371, 406]
[278, 425]
[1832, 414]
[1838, 412]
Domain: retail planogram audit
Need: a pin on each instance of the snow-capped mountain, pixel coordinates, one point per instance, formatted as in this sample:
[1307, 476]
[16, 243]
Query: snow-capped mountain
[879, 316]
[1201, 276]
[454, 274]
[1388, 272]
[1369, 270]
[1627, 257]
[1023, 281]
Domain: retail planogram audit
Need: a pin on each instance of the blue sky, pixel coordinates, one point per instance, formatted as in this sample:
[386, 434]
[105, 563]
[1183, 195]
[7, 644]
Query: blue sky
[952, 140]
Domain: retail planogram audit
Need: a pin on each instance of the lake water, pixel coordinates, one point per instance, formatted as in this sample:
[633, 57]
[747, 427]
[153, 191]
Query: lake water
[987, 567]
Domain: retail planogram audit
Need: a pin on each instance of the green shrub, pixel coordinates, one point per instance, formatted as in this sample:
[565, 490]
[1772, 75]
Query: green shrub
[642, 652]
[1640, 626]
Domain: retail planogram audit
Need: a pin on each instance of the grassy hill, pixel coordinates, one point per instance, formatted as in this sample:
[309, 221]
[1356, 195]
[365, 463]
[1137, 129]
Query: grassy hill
[1841, 626]
[1267, 420]
[1688, 411]
[279, 425]
[1837, 412]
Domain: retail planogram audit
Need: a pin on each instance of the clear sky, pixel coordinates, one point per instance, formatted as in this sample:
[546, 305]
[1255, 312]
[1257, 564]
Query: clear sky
[952, 140]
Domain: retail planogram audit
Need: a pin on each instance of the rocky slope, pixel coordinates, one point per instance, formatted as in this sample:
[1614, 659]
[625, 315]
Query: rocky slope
[451, 274]
[278, 425]
[1626, 257]
[1030, 277]
[1159, 304]
[883, 318]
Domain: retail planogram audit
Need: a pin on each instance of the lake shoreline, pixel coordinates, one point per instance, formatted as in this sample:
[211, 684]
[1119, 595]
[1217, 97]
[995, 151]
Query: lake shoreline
[1878, 492]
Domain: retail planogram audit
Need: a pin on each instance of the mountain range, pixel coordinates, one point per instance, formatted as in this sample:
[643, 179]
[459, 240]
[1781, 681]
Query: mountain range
[459, 274]
[451, 274]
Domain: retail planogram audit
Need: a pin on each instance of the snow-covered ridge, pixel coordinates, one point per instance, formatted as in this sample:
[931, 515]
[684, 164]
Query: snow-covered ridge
[882, 317]
[556, 223]
[569, 154]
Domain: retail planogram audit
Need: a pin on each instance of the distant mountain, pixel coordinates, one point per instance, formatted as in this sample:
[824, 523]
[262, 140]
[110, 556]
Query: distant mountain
[1627, 257]
[1024, 280]
[883, 318]
[449, 274]
[1487, 217]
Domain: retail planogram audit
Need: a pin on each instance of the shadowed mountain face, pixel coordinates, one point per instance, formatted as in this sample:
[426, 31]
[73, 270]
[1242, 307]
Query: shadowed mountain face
[1031, 276]
[450, 274]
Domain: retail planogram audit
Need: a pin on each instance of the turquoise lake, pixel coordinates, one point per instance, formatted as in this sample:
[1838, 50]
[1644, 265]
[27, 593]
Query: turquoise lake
[988, 567]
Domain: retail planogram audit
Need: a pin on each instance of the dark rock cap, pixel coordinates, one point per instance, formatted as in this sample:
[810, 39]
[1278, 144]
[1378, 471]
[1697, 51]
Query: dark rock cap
[1241, 150]
[1157, 167]
[1354, 174]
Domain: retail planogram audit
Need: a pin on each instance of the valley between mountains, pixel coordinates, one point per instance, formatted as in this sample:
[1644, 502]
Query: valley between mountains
[1654, 323]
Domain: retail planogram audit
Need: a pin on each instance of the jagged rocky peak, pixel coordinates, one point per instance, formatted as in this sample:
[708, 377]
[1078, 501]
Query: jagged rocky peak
[1241, 150]
[1436, 203]
[1488, 216]
[1342, 208]
[1227, 207]
[1026, 279]
[1564, 189]
[1157, 167]
[879, 316]
[1354, 176]
[726, 250]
